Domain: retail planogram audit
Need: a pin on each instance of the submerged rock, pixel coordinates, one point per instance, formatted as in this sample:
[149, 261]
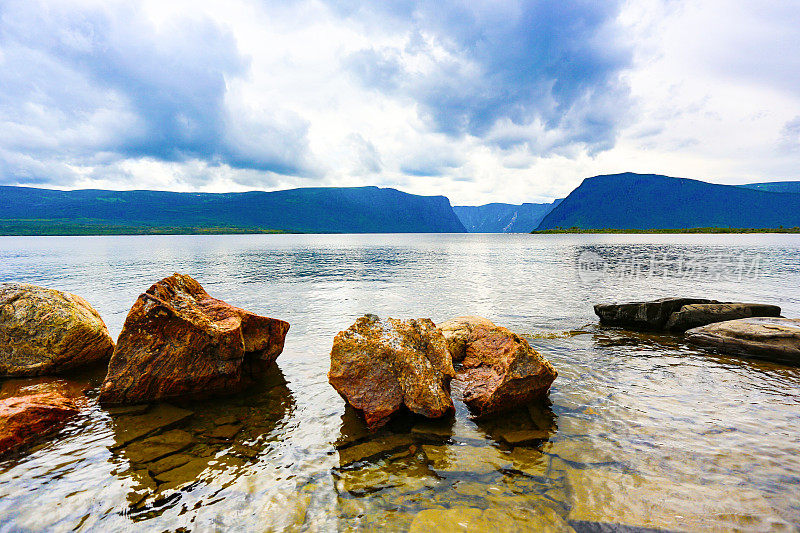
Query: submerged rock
[178, 341]
[379, 366]
[45, 331]
[678, 314]
[457, 330]
[131, 427]
[697, 315]
[538, 517]
[773, 339]
[501, 371]
[158, 446]
[24, 419]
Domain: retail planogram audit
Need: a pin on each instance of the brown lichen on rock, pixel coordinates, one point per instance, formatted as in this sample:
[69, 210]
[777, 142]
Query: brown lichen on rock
[178, 341]
[379, 366]
[45, 331]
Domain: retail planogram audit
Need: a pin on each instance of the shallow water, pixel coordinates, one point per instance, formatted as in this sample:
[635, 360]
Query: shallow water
[640, 430]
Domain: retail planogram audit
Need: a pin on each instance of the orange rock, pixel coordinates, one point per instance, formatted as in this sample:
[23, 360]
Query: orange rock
[379, 366]
[24, 419]
[178, 341]
[457, 330]
[501, 371]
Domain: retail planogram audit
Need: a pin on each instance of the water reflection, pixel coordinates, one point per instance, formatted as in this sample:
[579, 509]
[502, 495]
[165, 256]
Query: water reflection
[160, 448]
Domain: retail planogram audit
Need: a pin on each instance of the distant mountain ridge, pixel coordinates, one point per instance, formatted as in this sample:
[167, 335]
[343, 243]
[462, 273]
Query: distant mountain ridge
[503, 218]
[651, 201]
[775, 186]
[311, 210]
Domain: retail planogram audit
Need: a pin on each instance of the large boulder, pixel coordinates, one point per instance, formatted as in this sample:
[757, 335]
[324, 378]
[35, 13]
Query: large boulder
[45, 331]
[697, 315]
[457, 330]
[379, 366]
[501, 371]
[25, 419]
[178, 341]
[774, 339]
[643, 315]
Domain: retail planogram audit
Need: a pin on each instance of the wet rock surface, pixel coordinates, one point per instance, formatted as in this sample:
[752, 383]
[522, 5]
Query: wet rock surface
[678, 314]
[501, 371]
[180, 342]
[380, 366]
[45, 331]
[772, 339]
[26, 419]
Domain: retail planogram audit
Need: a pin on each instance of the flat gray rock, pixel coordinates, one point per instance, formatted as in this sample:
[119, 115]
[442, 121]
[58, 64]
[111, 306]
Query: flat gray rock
[697, 315]
[772, 339]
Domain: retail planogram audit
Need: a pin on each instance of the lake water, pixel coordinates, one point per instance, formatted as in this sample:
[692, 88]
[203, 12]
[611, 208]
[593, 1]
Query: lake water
[640, 430]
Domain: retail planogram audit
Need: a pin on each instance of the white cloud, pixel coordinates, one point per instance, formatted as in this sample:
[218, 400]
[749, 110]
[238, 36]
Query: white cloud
[422, 96]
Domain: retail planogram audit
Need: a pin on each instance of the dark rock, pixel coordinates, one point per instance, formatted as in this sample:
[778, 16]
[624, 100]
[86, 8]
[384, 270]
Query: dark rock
[773, 339]
[24, 419]
[379, 366]
[643, 315]
[45, 331]
[377, 446]
[178, 341]
[501, 371]
[227, 431]
[168, 463]
[696, 315]
[523, 436]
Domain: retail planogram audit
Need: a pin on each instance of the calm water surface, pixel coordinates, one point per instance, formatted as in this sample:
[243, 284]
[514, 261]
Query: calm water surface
[641, 430]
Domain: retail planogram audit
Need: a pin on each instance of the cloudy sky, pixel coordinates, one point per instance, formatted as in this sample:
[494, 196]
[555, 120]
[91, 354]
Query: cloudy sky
[478, 100]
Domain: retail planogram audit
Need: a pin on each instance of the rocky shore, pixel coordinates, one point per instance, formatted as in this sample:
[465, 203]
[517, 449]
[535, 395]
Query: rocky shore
[401, 379]
[178, 342]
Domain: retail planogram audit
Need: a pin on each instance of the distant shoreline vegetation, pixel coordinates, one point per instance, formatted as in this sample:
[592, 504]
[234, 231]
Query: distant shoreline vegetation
[794, 229]
[34, 228]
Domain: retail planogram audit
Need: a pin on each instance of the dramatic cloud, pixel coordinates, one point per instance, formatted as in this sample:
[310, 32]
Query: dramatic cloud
[90, 84]
[504, 68]
[503, 100]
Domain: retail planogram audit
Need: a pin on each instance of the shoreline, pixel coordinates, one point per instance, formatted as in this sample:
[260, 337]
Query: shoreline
[675, 231]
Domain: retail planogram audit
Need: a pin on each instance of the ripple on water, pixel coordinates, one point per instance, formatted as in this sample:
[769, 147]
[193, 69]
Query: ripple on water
[640, 430]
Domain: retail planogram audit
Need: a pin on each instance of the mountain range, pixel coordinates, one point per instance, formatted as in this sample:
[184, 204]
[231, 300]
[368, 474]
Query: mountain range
[614, 201]
[307, 210]
[651, 201]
